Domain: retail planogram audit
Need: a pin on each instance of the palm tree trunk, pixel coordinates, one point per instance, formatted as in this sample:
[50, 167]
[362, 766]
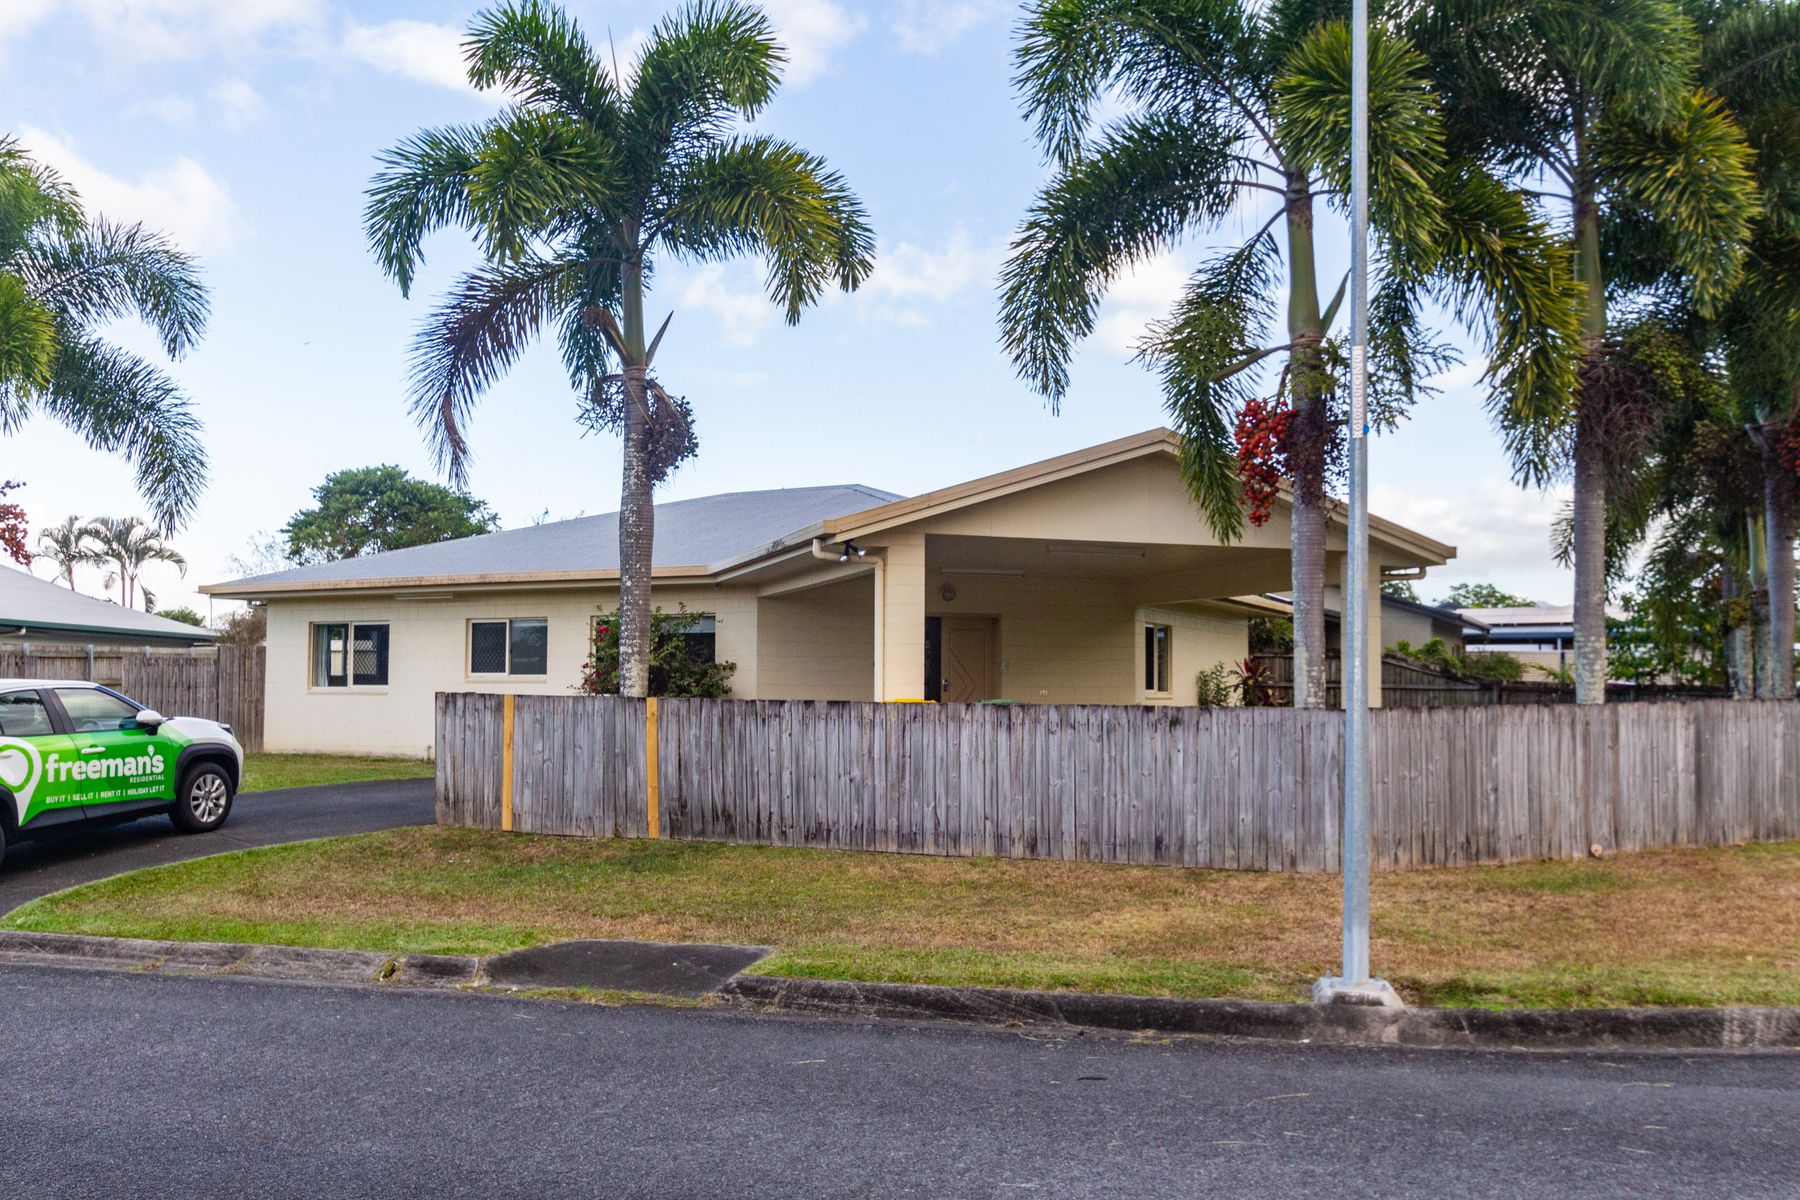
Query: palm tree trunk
[1306, 449]
[1590, 474]
[1778, 558]
[1740, 640]
[637, 509]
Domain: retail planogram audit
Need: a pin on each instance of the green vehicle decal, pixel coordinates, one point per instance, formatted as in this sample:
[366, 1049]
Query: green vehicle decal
[62, 771]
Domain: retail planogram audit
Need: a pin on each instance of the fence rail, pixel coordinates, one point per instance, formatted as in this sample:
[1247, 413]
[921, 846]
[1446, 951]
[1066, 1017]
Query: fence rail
[220, 683]
[1233, 788]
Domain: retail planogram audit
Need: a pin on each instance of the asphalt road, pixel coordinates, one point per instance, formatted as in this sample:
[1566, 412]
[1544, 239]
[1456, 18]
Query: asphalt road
[150, 1087]
[36, 868]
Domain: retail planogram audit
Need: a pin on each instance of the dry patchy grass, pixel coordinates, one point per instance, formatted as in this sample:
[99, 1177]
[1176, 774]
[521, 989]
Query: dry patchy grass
[1678, 927]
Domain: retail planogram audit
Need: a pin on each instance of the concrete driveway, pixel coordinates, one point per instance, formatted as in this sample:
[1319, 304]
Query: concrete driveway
[34, 869]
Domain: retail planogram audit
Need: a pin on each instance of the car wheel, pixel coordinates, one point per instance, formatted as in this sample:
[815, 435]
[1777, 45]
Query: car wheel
[204, 799]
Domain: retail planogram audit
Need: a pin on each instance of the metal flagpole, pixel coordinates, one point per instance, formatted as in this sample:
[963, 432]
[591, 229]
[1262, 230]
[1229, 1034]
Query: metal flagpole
[1355, 985]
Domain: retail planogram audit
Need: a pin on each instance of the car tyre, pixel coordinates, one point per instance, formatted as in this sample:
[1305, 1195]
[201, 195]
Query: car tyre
[204, 799]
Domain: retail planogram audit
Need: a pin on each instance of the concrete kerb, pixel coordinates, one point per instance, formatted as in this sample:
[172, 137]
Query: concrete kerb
[1335, 1024]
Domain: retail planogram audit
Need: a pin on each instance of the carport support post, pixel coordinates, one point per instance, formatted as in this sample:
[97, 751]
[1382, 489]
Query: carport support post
[1354, 985]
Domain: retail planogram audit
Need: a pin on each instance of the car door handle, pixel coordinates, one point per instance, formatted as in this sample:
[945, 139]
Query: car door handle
[93, 749]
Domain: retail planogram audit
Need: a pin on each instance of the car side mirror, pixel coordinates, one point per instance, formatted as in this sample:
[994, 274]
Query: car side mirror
[149, 718]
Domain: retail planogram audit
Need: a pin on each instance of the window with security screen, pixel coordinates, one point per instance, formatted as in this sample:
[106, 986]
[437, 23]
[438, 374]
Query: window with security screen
[516, 648]
[349, 654]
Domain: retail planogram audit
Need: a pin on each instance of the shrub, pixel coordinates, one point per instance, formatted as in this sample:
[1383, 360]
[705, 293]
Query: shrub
[676, 666]
[1214, 687]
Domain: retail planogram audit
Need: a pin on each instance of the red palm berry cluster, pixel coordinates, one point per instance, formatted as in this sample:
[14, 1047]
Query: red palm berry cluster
[1263, 431]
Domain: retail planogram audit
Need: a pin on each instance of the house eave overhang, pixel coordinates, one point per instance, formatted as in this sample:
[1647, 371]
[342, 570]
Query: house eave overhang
[482, 581]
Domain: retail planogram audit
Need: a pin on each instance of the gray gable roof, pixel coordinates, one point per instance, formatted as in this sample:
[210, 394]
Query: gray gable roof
[36, 605]
[689, 533]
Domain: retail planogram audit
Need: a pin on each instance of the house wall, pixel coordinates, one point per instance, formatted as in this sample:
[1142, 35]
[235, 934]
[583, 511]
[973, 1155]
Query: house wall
[1202, 639]
[428, 653]
[816, 645]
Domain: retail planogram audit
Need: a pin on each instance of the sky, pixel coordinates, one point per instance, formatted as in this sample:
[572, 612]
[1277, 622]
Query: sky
[247, 130]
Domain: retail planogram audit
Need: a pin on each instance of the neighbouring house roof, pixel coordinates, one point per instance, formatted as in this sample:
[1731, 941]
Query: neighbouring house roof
[1536, 619]
[1449, 616]
[33, 606]
[712, 535]
[689, 534]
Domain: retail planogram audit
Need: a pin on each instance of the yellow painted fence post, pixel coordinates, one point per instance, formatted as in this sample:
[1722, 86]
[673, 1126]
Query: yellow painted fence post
[506, 763]
[651, 805]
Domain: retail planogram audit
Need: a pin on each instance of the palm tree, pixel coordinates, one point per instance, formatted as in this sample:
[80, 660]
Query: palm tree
[68, 545]
[1235, 104]
[1597, 105]
[130, 545]
[1749, 51]
[574, 192]
[64, 275]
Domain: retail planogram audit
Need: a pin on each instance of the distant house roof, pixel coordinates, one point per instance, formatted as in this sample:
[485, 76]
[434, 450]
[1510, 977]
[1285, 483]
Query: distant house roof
[1528, 623]
[689, 533]
[1436, 612]
[32, 606]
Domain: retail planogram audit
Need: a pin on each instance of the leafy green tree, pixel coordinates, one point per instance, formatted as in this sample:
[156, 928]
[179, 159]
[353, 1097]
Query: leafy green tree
[1401, 589]
[130, 544]
[1231, 106]
[1483, 595]
[186, 616]
[64, 277]
[366, 510]
[574, 192]
[1598, 104]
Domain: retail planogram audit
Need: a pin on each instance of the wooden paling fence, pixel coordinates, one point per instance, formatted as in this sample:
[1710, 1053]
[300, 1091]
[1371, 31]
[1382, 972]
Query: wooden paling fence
[1409, 684]
[1235, 788]
[220, 683]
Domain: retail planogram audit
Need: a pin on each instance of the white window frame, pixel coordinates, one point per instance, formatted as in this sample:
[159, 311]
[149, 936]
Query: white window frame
[1150, 673]
[349, 685]
[469, 671]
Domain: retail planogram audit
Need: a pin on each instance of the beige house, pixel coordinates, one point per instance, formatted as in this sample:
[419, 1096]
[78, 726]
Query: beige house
[1084, 579]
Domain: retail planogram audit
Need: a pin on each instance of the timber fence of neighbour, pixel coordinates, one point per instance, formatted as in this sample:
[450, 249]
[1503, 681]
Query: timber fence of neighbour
[220, 683]
[1409, 684]
[1235, 788]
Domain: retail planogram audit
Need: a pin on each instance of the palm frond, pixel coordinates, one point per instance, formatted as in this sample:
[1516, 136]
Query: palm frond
[538, 176]
[1147, 181]
[538, 55]
[107, 270]
[422, 186]
[34, 199]
[471, 339]
[121, 404]
[27, 350]
[766, 197]
[1206, 354]
[1693, 175]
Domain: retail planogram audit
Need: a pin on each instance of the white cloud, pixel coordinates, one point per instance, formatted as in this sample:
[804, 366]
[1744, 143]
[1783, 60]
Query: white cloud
[1499, 529]
[928, 26]
[745, 314]
[186, 29]
[176, 110]
[417, 50]
[181, 199]
[239, 105]
[1143, 294]
[17, 17]
[813, 31]
[911, 280]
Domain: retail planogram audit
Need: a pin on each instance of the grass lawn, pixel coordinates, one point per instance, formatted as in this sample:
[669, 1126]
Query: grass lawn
[265, 772]
[1679, 927]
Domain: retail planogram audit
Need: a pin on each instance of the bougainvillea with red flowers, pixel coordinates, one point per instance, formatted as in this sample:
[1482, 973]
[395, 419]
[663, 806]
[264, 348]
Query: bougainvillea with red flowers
[13, 529]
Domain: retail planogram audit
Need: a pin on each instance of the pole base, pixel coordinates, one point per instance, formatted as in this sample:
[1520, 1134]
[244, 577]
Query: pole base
[1370, 993]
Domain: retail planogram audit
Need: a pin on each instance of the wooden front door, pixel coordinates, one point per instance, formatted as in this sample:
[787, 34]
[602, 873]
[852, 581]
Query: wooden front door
[970, 653]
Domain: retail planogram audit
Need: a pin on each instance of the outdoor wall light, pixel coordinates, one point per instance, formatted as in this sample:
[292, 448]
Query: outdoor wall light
[849, 549]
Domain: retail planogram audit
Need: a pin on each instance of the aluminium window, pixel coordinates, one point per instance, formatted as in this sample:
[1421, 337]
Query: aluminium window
[1157, 642]
[350, 654]
[513, 647]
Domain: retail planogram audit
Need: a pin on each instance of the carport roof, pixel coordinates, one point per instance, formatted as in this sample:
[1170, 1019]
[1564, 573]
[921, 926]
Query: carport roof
[35, 607]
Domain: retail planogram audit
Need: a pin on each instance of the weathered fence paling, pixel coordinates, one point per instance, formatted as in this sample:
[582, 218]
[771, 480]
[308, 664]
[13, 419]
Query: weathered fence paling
[222, 683]
[1235, 788]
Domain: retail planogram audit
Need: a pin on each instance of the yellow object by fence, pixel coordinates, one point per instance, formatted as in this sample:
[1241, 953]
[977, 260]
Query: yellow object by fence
[650, 798]
[506, 763]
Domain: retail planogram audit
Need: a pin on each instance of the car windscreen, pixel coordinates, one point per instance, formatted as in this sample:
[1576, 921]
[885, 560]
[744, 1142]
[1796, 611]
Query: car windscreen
[94, 711]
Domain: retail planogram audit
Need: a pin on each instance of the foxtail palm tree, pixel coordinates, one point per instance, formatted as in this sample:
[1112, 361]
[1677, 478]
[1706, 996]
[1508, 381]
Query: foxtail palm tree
[130, 545]
[1598, 105]
[574, 193]
[63, 276]
[68, 545]
[1231, 106]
